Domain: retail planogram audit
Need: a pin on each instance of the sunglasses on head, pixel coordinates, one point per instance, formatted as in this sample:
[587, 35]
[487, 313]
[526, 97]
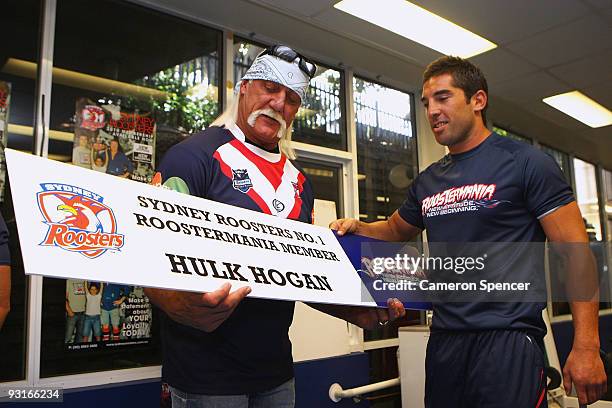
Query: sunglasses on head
[287, 54]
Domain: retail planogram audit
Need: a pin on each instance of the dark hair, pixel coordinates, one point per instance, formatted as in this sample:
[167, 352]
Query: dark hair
[466, 76]
[116, 139]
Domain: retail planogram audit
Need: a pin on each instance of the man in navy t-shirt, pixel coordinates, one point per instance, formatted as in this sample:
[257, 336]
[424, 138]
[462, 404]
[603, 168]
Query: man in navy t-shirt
[491, 189]
[221, 349]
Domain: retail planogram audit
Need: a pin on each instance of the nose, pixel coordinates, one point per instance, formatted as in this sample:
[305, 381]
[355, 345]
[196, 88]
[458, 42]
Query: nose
[278, 101]
[433, 110]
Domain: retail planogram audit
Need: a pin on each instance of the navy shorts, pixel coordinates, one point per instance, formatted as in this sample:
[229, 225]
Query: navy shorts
[485, 369]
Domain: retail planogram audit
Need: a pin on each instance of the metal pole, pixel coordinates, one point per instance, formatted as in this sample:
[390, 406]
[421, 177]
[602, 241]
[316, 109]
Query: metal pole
[44, 75]
[336, 393]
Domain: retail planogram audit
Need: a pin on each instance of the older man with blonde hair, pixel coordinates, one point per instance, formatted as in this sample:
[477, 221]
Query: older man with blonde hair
[221, 349]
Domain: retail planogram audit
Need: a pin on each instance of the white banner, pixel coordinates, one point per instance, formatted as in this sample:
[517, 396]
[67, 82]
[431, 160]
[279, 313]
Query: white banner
[78, 223]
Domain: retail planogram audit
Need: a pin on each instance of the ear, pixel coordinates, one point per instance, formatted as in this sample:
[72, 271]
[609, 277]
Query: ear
[479, 100]
[243, 86]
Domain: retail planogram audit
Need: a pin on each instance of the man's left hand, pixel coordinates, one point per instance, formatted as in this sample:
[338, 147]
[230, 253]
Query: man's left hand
[365, 317]
[585, 370]
[372, 318]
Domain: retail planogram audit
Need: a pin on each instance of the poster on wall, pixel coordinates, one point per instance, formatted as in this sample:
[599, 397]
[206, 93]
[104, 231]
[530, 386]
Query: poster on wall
[112, 141]
[5, 102]
[102, 314]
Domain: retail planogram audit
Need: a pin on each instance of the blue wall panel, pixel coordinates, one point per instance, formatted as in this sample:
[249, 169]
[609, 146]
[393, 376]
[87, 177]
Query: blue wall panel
[123, 395]
[313, 379]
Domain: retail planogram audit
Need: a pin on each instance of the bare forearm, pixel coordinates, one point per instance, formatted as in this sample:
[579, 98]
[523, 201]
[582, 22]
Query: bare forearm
[586, 324]
[379, 230]
[583, 294]
[387, 230]
[202, 311]
[162, 298]
[364, 317]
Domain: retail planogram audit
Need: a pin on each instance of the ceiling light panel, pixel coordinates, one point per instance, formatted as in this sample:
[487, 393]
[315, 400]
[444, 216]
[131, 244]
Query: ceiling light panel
[419, 25]
[582, 108]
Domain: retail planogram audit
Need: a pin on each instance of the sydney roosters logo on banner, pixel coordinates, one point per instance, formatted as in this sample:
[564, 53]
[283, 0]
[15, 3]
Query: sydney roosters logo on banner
[78, 220]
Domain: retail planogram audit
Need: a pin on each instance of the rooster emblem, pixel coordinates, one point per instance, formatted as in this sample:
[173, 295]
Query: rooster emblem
[78, 221]
[81, 213]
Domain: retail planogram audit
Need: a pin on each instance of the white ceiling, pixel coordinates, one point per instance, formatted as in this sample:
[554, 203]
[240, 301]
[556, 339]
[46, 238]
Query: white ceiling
[545, 47]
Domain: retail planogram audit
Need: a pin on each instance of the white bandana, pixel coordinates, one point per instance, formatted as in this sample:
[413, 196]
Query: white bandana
[289, 74]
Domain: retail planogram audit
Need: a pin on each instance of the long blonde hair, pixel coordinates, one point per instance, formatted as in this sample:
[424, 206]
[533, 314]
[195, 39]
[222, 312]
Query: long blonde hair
[230, 116]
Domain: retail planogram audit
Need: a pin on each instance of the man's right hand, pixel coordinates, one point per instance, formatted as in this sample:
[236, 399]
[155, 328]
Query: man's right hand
[393, 229]
[345, 226]
[203, 311]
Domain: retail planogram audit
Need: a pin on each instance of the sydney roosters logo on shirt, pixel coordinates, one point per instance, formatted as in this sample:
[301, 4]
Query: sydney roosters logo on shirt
[469, 197]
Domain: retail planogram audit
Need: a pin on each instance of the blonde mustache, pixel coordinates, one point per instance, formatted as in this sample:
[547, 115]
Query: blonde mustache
[270, 113]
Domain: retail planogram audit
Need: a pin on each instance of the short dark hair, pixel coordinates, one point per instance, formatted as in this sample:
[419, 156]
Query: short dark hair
[466, 76]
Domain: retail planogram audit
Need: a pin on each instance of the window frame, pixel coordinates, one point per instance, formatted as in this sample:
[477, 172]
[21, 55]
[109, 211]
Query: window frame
[411, 94]
[361, 344]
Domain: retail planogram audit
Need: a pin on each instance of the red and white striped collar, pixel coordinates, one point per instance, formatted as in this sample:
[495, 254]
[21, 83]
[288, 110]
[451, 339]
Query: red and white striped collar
[239, 135]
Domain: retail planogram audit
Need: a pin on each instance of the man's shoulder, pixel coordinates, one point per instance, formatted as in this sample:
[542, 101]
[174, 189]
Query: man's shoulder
[434, 168]
[202, 144]
[208, 139]
[514, 147]
[525, 155]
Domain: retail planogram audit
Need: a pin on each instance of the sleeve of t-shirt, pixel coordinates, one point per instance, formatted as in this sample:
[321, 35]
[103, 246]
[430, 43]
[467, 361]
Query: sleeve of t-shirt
[410, 210]
[184, 171]
[5, 255]
[545, 188]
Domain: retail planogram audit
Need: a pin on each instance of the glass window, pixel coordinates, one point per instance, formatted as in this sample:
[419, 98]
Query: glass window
[607, 186]
[326, 179]
[245, 53]
[18, 53]
[127, 85]
[386, 161]
[586, 196]
[562, 160]
[511, 135]
[607, 183]
[320, 120]
[386, 148]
